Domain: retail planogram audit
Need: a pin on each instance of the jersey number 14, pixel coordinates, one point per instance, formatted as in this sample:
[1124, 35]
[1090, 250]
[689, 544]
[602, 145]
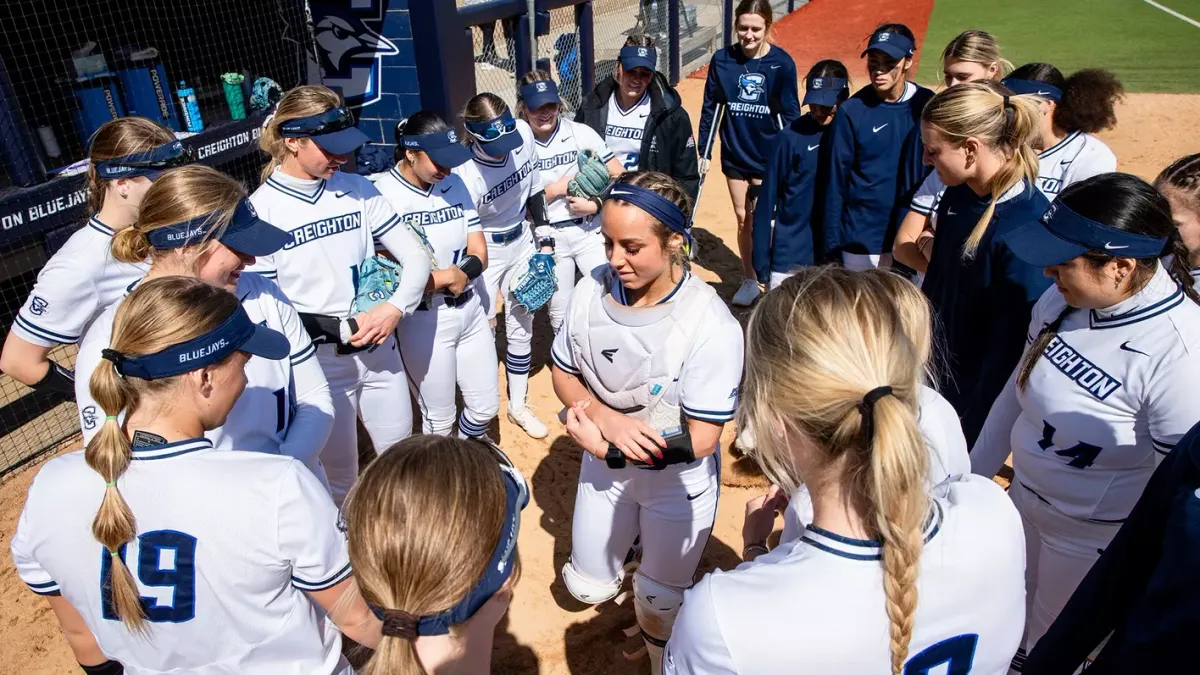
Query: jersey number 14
[166, 563]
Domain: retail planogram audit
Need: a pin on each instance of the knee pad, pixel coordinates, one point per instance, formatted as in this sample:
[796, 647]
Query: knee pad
[585, 589]
[656, 606]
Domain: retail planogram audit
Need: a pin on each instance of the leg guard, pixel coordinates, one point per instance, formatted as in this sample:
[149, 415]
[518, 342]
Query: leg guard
[585, 589]
[656, 605]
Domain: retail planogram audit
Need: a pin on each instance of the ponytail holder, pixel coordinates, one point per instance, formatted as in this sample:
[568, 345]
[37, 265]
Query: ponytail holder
[398, 623]
[867, 408]
[1007, 102]
[112, 484]
[114, 553]
[116, 357]
[110, 417]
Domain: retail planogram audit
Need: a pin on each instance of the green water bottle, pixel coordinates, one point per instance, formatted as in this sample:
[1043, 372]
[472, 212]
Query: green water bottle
[234, 96]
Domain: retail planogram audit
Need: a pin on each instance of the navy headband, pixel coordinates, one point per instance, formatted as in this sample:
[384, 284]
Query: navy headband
[1093, 235]
[207, 349]
[499, 567]
[147, 163]
[197, 230]
[666, 211]
[1033, 87]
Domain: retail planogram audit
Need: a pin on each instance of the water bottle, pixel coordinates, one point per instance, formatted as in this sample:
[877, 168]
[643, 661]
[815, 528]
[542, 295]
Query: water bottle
[191, 109]
[232, 82]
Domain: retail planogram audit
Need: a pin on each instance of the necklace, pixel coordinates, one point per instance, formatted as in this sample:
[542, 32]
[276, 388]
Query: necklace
[757, 58]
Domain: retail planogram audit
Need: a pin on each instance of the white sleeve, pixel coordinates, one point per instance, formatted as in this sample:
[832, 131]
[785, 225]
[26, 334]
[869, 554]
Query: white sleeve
[710, 379]
[308, 534]
[943, 432]
[1171, 406]
[590, 140]
[561, 352]
[399, 240]
[696, 644]
[310, 424]
[925, 200]
[61, 303]
[86, 362]
[31, 572]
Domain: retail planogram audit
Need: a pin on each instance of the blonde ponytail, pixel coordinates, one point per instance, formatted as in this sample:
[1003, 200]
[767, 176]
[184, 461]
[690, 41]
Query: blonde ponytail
[159, 313]
[830, 359]
[303, 101]
[1006, 123]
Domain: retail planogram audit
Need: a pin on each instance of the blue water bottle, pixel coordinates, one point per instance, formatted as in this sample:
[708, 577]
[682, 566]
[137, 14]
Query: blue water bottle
[191, 109]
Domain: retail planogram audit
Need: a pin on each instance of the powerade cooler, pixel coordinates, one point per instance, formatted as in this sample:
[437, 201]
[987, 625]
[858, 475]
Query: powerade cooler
[99, 102]
[146, 88]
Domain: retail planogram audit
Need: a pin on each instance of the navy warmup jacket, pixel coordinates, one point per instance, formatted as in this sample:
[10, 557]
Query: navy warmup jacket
[862, 166]
[760, 97]
[982, 306]
[789, 185]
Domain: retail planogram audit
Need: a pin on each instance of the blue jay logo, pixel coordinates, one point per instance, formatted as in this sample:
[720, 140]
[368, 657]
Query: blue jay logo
[349, 49]
[750, 86]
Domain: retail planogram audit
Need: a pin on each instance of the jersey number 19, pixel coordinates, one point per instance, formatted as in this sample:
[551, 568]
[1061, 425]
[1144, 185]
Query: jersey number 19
[166, 562]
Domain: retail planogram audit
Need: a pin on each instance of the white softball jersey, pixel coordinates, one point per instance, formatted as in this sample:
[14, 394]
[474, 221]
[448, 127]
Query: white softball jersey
[500, 188]
[334, 224]
[444, 213]
[557, 159]
[286, 407]
[1074, 158]
[76, 284]
[624, 129]
[948, 457]
[1110, 396]
[817, 604]
[227, 545]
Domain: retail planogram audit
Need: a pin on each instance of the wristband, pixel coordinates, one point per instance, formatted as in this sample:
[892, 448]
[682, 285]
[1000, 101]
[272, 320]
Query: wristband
[545, 241]
[756, 548]
[57, 379]
[471, 266]
[109, 667]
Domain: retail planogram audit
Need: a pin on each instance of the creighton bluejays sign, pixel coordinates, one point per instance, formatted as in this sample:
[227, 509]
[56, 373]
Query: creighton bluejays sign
[350, 47]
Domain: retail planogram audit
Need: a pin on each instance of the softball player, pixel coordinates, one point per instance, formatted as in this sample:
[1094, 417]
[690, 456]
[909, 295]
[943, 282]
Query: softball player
[335, 219]
[507, 189]
[648, 363]
[1180, 184]
[785, 234]
[444, 602]
[864, 156]
[829, 358]
[1072, 110]
[196, 222]
[158, 554]
[641, 117]
[756, 84]
[936, 418]
[1102, 394]
[979, 140]
[447, 341]
[578, 244]
[972, 56]
[81, 278]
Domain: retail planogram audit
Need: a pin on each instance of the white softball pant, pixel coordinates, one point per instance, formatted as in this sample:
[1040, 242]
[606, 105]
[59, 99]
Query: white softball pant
[504, 262]
[444, 345]
[673, 510]
[370, 385]
[778, 278]
[576, 248]
[1059, 551]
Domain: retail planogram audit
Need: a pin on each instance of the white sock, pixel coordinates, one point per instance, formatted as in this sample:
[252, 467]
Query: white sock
[517, 368]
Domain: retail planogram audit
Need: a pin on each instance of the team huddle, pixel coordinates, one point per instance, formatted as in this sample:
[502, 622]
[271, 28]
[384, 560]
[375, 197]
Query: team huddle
[951, 279]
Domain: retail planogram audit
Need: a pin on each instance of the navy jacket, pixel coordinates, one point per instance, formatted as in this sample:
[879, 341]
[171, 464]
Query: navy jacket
[910, 176]
[982, 306]
[789, 185]
[1145, 588]
[863, 161]
[760, 98]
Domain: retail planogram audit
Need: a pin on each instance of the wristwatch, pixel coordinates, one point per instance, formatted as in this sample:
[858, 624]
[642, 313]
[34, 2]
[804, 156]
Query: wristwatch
[545, 241]
[614, 458]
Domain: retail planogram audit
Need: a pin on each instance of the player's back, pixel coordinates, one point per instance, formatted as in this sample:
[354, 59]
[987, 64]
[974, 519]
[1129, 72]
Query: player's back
[817, 604]
[227, 543]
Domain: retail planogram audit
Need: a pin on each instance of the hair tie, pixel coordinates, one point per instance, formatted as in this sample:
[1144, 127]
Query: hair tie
[110, 417]
[112, 484]
[400, 624]
[116, 357]
[1007, 101]
[867, 408]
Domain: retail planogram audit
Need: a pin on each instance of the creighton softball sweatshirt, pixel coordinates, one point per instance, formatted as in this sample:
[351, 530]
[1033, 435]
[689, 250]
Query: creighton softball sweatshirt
[760, 98]
[863, 165]
[788, 187]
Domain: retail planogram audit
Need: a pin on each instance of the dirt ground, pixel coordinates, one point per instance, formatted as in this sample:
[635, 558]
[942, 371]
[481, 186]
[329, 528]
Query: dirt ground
[546, 631]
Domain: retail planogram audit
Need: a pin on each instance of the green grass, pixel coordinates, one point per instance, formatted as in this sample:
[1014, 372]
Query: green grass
[1148, 49]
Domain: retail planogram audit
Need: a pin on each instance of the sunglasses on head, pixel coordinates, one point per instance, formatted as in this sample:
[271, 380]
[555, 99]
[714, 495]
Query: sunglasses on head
[490, 131]
[334, 119]
[167, 156]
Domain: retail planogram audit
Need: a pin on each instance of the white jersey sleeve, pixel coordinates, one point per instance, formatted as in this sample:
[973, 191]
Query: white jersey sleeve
[310, 536]
[928, 194]
[78, 282]
[697, 643]
[29, 569]
[713, 372]
[398, 239]
[1093, 159]
[312, 419]
[1170, 408]
[87, 360]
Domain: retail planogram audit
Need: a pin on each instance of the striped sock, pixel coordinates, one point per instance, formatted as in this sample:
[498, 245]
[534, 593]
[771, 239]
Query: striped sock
[517, 368]
[470, 427]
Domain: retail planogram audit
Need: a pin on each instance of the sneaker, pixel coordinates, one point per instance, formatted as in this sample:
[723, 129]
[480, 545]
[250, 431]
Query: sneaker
[747, 294]
[524, 418]
[745, 439]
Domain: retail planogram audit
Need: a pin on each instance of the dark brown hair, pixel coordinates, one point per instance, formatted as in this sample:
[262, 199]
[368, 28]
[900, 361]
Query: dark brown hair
[1089, 96]
[759, 7]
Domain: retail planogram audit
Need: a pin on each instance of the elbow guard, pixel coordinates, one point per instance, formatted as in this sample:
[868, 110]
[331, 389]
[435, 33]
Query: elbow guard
[58, 380]
[471, 266]
[109, 667]
[536, 207]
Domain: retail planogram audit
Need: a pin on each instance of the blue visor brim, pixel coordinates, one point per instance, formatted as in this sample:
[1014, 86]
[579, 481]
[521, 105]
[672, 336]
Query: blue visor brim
[535, 101]
[341, 142]
[1038, 246]
[501, 146]
[825, 97]
[892, 50]
[450, 156]
[267, 343]
[257, 238]
[631, 62]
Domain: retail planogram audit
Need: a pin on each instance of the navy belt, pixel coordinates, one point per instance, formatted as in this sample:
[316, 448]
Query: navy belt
[578, 222]
[507, 235]
[449, 300]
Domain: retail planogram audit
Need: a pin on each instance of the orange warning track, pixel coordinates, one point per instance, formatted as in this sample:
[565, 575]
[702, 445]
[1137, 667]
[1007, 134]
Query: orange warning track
[839, 29]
